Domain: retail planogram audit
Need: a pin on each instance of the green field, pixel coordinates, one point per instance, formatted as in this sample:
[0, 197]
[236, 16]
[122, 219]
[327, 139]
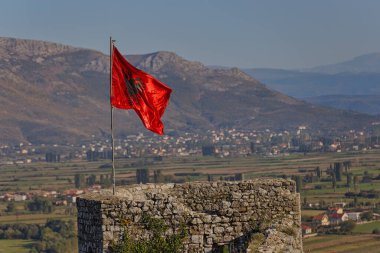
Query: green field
[33, 218]
[311, 213]
[342, 244]
[366, 228]
[15, 246]
[60, 176]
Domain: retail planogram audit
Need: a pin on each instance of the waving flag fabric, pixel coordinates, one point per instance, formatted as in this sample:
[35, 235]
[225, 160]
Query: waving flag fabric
[134, 89]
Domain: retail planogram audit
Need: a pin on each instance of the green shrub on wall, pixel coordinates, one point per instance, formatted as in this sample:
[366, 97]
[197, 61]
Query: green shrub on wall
[158, 242]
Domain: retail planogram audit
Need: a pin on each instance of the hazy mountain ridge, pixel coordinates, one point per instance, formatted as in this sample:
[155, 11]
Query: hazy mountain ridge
[360, 103]
[305, 84]
[349, 85]
[369, 63]
[56, 93]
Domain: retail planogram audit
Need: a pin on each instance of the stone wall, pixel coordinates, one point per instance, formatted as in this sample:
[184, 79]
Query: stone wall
[261, 215]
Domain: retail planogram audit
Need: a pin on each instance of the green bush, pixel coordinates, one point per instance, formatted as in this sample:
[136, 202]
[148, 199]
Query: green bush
[347, 226]
[40, 204]
[158, 242]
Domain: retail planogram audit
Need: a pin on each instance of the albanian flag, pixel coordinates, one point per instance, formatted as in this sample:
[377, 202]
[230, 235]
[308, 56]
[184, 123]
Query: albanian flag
[134, 89]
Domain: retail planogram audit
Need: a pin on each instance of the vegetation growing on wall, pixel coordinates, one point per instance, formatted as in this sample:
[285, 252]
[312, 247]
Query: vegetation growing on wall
[158, 242]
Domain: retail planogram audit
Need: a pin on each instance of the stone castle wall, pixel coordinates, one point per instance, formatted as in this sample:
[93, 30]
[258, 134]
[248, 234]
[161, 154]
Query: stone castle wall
[261, 215]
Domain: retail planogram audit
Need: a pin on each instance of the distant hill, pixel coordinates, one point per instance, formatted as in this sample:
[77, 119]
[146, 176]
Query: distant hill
[306, 84]
[361, 103]
[356, 82]
[364, 63]
[53, 93]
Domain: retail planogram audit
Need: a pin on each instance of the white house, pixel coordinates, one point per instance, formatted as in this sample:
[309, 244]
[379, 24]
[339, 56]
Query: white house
[19, 197]
[355, 216]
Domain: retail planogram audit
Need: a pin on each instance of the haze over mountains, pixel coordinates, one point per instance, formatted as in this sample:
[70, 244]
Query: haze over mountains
[53, 93]
[350, 85]
[369, 63]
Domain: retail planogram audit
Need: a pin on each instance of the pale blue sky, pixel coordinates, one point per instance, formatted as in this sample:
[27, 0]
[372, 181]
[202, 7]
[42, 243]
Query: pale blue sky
[242, 33]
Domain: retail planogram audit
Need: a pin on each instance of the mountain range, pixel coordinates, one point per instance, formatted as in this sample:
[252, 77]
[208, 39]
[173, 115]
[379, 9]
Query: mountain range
[369, 63]
[306, 84]
[361, 103]
[349, 85]
[53, 93]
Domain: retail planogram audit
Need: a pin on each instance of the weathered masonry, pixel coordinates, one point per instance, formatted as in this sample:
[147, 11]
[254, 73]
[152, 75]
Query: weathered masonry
[261, 215]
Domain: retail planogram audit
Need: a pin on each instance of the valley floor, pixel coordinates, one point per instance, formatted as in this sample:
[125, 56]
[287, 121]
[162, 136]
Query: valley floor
[342, 244]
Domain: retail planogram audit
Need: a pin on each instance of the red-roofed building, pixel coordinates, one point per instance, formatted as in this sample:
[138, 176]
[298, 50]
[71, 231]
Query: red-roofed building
[337, 218]
[337, 210]
[321, 220]
[306, 229]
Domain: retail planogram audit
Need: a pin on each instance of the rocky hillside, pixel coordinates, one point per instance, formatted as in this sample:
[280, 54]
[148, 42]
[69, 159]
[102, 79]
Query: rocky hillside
[56, 93]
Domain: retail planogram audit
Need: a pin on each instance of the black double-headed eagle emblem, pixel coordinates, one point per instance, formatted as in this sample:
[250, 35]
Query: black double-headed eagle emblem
[134, 87]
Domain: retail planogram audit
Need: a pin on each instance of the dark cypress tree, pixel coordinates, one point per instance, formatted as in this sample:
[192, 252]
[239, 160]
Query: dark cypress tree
[349, 180]
[356, 183]
[338, 171]
[298, 183]
[334, 182]
[318, 171]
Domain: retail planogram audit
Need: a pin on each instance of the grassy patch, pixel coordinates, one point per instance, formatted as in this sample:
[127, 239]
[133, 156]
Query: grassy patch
[342, 244]
[32, 218]
[15, 246]
[367, 227]
[311, 213]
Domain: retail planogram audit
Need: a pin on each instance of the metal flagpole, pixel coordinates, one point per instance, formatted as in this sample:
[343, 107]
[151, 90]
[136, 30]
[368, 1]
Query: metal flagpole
[112, 137]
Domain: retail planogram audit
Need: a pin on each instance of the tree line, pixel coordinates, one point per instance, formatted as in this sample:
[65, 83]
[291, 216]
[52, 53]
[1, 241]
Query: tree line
[56, 236]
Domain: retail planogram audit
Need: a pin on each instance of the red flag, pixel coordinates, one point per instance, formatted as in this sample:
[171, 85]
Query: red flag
[134, 89]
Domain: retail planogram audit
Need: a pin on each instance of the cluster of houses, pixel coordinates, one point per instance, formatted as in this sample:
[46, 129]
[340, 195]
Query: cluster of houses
[226, 143]
[58, 198]
[22, 196]
[334, 216]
